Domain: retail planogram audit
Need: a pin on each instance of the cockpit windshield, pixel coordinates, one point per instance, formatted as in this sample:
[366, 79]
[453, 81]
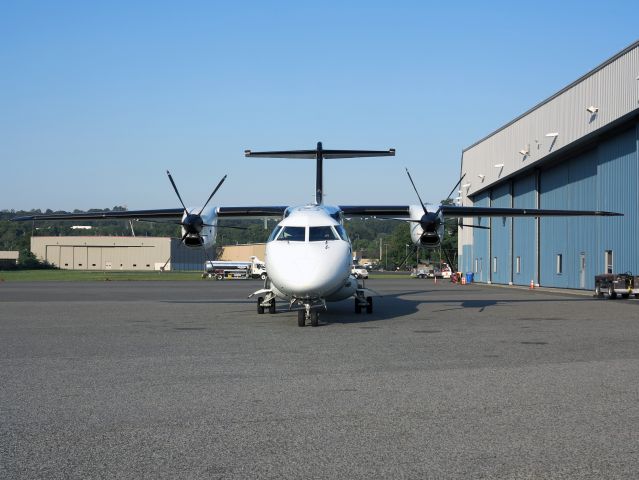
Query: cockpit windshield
[274, 233]
[319, 234]
[341, 231]
[293, 234]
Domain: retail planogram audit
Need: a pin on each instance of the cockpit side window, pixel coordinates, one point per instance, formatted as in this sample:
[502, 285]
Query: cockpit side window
[293, 234]
[341, 231]
[274, 233]
[319, 234]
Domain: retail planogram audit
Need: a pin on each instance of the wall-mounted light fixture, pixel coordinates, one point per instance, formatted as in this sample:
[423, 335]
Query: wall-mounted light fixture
[552, 134]
[499, 165]
[592, 109]
[523, 152]
[466, 186]
[481, 176]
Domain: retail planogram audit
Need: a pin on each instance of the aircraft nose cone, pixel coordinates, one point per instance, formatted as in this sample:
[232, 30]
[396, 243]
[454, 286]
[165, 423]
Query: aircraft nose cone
[308, 272]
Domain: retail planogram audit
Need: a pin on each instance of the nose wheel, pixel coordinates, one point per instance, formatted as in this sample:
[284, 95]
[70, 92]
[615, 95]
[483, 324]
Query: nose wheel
[312, 315]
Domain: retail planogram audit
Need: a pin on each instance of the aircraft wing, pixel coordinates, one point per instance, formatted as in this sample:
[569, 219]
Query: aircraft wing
[166, 213]
[158, 214]
[248, 212]
[375, 210]
[456, 211]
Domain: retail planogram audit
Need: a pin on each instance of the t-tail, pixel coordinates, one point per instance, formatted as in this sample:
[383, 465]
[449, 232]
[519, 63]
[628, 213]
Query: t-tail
[319, 154]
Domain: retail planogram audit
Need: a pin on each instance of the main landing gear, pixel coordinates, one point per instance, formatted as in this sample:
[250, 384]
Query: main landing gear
[363, 302]
[263, 305]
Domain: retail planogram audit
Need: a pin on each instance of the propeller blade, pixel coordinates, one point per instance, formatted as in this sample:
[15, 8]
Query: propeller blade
[412, 252]
[473, 226]
[455, 187]
[214, 192]
[176, 190]
[415, 188]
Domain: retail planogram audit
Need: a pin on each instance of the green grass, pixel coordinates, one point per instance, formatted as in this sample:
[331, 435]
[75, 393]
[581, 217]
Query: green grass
[77, 276]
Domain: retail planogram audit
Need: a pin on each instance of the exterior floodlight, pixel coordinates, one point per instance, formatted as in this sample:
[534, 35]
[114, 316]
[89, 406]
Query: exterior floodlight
[481, 176]
[552, 134]
[466, 186]
[523, 152]
[499, 165]
[592, 109]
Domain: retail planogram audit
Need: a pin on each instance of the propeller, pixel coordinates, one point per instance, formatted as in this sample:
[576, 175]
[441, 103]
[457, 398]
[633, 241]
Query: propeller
[192, 223]
[429, 221]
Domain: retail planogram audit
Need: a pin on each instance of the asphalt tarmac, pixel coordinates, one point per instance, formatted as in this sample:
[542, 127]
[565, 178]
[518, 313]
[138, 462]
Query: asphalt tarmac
[185, 380]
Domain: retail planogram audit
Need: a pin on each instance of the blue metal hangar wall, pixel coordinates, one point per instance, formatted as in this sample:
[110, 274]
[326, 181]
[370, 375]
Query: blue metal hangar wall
[576, 150]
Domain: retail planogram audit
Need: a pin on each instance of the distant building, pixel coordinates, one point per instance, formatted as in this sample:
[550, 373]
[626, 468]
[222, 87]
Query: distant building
[8, 258]
[117, 253]
[241, 253]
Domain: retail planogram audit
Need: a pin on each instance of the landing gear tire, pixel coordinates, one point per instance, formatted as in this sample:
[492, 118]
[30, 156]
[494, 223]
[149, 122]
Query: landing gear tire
[314, 318]
[301, 318]
[358, 307]
[611, 293]
[263, 276]
[260, 308]
[271, 306]
[369, 304]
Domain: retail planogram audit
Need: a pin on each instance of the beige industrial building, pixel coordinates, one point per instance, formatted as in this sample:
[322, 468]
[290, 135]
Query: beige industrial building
[117, 253]
[8, 258]
[241, 253]
[133, 253]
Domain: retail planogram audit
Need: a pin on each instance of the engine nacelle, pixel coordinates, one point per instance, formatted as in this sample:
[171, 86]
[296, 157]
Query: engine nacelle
[428, 232]
[199, 230]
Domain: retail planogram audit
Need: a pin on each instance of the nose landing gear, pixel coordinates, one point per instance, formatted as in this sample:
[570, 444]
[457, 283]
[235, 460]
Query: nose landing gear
[309, 312]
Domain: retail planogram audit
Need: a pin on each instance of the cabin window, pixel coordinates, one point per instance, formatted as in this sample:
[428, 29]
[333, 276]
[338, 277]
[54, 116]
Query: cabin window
[319, 234]
[293, 234]
[274, 233]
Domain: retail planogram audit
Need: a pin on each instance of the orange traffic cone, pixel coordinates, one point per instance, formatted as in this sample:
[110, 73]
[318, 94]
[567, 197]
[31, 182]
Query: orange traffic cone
[532, 285]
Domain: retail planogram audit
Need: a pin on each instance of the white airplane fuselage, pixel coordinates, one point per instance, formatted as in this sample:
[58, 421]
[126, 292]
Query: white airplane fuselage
[309, 256]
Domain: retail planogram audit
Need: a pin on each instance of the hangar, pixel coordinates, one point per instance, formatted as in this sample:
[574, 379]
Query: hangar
[117, 253]
[577, 149]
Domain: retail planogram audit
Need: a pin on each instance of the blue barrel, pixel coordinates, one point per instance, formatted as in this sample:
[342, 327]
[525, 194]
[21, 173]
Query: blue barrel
[469, 277]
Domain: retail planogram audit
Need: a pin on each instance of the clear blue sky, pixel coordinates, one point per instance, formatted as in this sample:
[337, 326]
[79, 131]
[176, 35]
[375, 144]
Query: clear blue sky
[98, 99]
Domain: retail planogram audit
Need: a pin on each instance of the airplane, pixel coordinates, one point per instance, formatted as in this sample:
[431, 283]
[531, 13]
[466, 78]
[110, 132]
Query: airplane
[308, 254]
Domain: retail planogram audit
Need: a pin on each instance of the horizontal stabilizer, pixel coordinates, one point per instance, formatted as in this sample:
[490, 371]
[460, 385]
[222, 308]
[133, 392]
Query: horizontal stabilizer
[312, 154]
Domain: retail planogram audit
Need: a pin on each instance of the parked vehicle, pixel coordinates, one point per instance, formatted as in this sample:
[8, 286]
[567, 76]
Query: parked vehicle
[359, 272]
[221, 269]
[613, 284]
